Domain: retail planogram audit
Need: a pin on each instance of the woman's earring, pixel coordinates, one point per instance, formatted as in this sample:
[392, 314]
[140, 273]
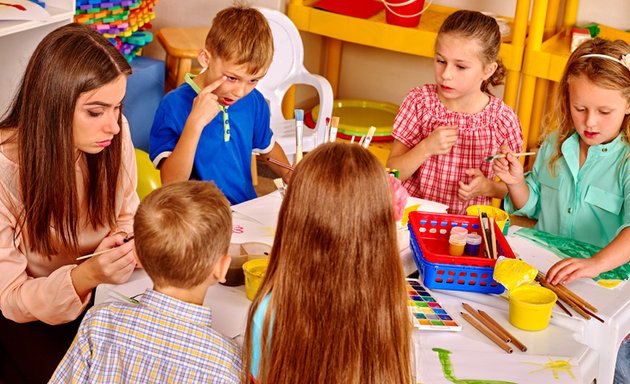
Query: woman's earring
[203, 70]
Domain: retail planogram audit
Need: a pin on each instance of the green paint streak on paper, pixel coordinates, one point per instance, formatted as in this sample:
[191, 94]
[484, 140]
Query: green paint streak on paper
[565, 247]
[449, 374]
[556, 366]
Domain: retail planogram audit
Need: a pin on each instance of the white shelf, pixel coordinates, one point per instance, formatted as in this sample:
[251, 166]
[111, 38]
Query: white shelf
[9, 27]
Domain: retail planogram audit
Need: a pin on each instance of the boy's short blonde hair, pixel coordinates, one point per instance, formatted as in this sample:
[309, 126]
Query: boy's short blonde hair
[241, 35]
[181, 230]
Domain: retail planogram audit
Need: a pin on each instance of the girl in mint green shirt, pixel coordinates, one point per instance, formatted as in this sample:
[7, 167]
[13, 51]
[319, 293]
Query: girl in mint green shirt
[580, 183]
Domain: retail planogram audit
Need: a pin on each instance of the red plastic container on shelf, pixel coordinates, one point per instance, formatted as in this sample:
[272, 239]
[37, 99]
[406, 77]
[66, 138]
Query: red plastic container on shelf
[429, 233]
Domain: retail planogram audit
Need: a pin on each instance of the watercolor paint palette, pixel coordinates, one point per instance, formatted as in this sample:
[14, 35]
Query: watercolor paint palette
[427, 313]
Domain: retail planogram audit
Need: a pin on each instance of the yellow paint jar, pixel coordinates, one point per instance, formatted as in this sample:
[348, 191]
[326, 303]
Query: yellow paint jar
[254, 275]
[530, 307]
[456, 244]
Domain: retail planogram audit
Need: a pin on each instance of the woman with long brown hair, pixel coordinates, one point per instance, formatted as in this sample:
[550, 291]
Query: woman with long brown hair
[332, 307]
[67, 188]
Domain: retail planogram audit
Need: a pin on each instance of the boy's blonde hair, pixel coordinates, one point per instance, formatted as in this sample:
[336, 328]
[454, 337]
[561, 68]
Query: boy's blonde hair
[241, 35]
[485, 30]
[602, 72]
[181, 230]
[335, 278]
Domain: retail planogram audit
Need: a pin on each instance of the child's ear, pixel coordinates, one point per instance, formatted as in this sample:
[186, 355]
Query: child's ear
[203, 57]
[489, 70]
[221, 267]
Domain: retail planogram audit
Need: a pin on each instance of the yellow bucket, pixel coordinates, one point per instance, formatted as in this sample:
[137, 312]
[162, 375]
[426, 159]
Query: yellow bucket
[254, 275]
[530, 307]
[500, 216]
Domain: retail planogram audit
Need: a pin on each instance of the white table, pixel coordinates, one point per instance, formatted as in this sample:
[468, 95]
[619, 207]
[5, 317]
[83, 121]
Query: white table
[589, 346]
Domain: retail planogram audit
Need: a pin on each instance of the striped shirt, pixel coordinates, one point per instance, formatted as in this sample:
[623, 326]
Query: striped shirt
[480, 135]
[159, 340]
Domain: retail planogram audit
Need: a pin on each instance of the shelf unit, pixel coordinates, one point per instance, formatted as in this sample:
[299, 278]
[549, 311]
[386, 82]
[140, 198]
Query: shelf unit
[18, 40]
[419, 41]
[546, 55]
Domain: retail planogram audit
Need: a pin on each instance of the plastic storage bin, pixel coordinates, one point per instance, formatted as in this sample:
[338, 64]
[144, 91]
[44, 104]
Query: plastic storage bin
[429, 244]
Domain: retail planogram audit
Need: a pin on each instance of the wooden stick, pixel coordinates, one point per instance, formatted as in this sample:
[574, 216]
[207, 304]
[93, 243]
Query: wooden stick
[127, 239]
[485, 322]
[576, 298]
[493, 236]
[95, 254]
[577, 307]
[594, 315]
[501, 155]
[487, 333]
[280, 164]
[564, 308]
[483, 234]
[514, 340]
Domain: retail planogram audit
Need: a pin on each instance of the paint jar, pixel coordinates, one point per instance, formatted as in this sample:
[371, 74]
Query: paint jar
[254, 275]
[473, 244]
[530, 307]
[459, 231]
[456, 244]
[234, 275]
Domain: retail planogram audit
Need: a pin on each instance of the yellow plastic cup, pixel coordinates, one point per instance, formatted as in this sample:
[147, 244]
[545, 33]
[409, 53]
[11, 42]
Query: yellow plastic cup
[500, 216]
[530, 307]
[254, 274]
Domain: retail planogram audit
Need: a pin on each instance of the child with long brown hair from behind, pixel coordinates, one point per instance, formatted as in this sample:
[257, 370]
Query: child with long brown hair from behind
[332, 307]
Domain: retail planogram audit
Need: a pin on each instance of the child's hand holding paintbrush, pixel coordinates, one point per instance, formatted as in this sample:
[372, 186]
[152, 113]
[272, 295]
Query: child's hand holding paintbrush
[510, 170]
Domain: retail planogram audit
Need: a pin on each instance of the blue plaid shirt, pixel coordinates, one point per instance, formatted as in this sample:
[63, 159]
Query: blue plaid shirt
[159, 340]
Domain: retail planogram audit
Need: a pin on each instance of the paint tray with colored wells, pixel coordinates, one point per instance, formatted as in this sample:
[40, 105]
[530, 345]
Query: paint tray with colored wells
[427, 313]
[429, 234]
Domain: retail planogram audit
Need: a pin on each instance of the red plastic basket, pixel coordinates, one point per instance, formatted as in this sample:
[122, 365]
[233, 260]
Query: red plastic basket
[432, 231]
[429, 234]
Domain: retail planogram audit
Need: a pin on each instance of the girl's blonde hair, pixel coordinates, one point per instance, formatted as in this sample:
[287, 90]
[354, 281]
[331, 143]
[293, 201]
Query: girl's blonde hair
[337, 311]
[602, 72]
[485, 30]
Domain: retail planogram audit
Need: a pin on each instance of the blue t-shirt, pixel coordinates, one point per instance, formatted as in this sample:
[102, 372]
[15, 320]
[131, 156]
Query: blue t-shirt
[227, 163]
[257, 324]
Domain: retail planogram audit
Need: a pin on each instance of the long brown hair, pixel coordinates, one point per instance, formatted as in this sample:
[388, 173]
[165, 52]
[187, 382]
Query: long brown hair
[338, 301]
[603, 72]
[484, 29]
[69, 61]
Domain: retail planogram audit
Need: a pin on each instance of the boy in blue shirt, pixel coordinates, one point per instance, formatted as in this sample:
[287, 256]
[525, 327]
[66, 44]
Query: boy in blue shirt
[208, 127]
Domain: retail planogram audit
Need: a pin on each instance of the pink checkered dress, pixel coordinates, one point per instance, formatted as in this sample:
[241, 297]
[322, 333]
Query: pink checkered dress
[480, 135]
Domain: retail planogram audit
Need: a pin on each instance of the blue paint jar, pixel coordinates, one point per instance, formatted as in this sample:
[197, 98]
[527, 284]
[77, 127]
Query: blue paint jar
[473, 244]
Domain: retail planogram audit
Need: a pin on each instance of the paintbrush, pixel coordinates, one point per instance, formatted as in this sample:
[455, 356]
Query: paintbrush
[334, 126]
[280, 164]
[299, 131]
[502, 155]
[368, 138]
[103, 251]
[327, 130]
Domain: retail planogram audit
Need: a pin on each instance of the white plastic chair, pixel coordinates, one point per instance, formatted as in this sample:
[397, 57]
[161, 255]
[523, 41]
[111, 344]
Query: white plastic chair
[287, 69]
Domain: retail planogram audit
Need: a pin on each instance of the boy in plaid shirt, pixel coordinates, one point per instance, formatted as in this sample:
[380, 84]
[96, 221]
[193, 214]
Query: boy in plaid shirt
[182, 234]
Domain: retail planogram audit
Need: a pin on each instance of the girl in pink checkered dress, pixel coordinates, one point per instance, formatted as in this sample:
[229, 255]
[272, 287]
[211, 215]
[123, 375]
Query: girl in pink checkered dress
[444, 131]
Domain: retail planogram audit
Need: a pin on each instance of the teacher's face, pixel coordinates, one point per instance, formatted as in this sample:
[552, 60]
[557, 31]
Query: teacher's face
[96, 116]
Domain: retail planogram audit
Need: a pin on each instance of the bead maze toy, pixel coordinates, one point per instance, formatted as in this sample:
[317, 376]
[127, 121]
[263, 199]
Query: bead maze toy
[125, 23]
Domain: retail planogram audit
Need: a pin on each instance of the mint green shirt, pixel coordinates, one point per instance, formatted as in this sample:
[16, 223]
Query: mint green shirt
[592, 203]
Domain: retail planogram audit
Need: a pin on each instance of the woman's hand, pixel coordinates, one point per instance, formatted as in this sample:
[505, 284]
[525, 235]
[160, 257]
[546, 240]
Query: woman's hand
[113, 267]
[508, 169]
